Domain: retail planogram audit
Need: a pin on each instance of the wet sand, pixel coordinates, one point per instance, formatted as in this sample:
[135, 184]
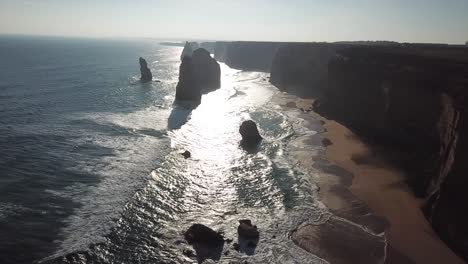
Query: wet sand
[409, 237]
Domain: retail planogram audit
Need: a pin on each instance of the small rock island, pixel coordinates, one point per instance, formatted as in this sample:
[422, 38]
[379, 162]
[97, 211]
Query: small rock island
[250, 135]
[146, 75]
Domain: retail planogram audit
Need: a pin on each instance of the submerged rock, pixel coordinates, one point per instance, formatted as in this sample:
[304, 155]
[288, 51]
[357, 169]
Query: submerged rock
[246, 230]
[202, 234]
[146, 75]
[250, 135]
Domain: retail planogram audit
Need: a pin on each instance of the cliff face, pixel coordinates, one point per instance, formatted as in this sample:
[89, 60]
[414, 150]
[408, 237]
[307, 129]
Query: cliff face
[415, 101]
[302, 68]
[242, 55]
[410, 97]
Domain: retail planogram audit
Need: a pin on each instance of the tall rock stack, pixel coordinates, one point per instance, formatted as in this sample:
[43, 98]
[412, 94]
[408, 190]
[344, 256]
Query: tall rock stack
[187, 51]
[207, 71]
[187, 89]
[146, 75]
[198, 74]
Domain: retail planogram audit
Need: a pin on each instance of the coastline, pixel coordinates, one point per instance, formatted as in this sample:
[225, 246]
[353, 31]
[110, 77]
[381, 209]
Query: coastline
[369, 179]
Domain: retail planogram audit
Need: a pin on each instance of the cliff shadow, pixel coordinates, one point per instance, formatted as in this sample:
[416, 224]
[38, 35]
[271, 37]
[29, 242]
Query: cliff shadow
[205, 252]
[180, 114]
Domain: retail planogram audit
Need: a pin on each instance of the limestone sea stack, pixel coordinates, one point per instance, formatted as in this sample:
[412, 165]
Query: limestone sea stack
[198, 74]
[146, 75]
[206, 71]
[250, 135]
[247, 231]
[187, 51]
[187, 89]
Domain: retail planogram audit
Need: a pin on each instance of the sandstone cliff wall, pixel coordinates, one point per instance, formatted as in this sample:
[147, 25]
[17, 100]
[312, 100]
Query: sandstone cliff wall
[244, 55]
[414, 100]
[410, 97]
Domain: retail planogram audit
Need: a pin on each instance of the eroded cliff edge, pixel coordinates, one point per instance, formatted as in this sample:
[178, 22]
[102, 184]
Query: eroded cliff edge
[247, 55]
[410, 98]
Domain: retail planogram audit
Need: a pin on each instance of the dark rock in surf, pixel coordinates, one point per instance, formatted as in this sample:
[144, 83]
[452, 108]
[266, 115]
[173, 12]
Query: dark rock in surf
[248, 231]
[236, 247]
[146, 75]
[250, 135]
[186, 154]
[251, 244]
[202, 234]
[188, 252]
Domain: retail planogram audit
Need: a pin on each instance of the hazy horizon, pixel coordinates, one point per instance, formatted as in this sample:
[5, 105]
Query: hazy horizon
[420, 21]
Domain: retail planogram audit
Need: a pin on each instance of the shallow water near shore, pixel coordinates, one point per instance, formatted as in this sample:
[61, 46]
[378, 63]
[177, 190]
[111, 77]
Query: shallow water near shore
[220, 184]
[92, 165]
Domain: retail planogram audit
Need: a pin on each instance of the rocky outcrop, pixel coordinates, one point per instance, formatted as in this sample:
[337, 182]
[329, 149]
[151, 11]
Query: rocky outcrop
[187, 89]
[186, 154]
[202, 234]
[414, 100]
[146, 75]
[246, 230]
[244, 55]
[250, 136]
[207, 71]
[187, 51]
[198, 74]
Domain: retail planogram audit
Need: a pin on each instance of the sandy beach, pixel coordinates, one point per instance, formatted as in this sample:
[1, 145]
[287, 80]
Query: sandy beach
[409, 237]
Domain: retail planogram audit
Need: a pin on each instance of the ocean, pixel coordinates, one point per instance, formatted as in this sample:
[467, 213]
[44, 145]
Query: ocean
[90, 163]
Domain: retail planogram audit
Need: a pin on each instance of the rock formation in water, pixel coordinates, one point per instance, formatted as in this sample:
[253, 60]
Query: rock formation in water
[207, 71]
[187, 51]
[250, 135]
[187, 89]
[186, 154]
[198, 74]
[202, 234]
[146, 75]
[246, 230]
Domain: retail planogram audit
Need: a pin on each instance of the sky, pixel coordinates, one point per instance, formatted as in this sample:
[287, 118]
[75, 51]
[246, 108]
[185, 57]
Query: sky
[434, 21]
